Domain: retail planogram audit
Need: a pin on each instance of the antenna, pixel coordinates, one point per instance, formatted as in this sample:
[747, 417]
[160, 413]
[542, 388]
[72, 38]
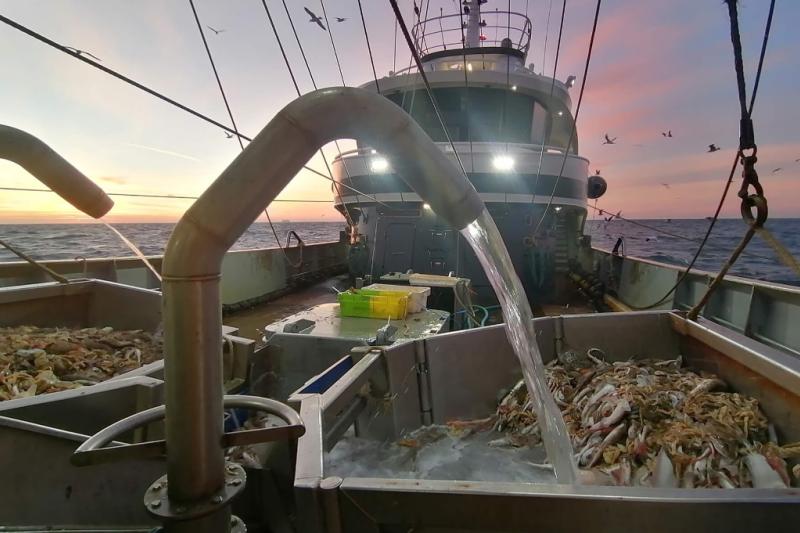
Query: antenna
[473, 38]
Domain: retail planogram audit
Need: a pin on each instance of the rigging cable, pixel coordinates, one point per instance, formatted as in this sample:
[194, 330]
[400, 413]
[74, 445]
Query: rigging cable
[662, 231]
[575, 118]
[152, 92]
[546, 33]
[291, 263]
[335, 142]
[466, 91]
[746, 143]
[216, 75]
[417, 60]
[726, 188]
[163, 196]
[333, 45]
[369, 47]
[550, 99]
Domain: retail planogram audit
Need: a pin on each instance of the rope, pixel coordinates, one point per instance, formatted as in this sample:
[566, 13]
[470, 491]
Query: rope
[49, 271]
[749, 174]
[575, 118]
[736, 159]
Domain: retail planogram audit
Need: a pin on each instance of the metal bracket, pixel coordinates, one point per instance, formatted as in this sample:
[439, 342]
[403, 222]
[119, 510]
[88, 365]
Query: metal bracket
[158, 504]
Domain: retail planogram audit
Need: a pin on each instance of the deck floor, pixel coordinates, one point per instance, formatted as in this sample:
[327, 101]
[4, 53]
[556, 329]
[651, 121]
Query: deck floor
[251, 321]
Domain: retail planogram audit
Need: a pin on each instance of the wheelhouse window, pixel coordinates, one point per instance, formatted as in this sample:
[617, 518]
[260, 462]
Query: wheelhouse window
[478, 114]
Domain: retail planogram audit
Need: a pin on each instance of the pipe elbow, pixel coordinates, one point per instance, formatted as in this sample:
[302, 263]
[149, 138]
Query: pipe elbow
[57, 173]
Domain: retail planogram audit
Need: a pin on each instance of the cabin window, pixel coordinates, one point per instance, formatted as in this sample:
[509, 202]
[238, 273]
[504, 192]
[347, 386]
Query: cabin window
[478, 114]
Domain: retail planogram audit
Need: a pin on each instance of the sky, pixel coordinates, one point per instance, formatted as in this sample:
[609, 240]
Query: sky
[656, 66]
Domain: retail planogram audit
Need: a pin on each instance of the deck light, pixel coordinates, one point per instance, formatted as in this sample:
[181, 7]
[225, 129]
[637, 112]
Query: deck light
[503, 163]
[513, 87]
[557, 208]
[426, 206]
[379, 165]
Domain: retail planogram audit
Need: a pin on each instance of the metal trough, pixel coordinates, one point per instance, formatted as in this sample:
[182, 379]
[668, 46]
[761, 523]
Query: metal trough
[458, 376]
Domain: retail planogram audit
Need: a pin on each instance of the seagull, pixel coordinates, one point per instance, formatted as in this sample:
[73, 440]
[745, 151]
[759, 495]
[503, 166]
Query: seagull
[665, 185]
[340, 19]
[229, 135]
[797, 160]
[609, 140]
[774, 170]
[597, 171]
[667, 134]
[81, 52]
[713, 148]
[217, 32]
[314, 18]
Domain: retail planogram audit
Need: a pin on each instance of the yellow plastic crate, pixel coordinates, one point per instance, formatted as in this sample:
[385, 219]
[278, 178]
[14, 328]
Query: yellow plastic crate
[373, 304]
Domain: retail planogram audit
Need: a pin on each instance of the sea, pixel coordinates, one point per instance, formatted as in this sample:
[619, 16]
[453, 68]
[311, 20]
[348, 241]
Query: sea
[668, 241]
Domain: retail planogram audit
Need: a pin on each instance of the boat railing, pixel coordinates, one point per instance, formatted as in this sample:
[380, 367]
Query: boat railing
[449, 32]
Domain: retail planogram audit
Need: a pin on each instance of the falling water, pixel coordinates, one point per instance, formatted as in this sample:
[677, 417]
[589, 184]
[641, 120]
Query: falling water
[135, 250]
[488, 245]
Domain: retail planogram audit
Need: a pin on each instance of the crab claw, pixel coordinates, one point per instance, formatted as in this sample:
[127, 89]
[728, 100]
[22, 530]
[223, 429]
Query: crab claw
[664, 473]
[764, 477]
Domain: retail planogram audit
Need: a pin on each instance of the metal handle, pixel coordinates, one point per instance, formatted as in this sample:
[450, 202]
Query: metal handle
[93, 450]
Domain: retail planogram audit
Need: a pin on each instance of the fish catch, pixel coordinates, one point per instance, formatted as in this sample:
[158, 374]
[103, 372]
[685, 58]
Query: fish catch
[36, 360]
[654, 423]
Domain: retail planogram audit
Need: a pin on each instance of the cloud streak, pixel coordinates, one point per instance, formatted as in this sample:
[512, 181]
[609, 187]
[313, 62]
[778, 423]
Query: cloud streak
[164, 152]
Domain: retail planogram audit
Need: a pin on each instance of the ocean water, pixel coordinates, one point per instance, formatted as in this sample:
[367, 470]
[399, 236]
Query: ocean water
[66, 241]
[757, 262]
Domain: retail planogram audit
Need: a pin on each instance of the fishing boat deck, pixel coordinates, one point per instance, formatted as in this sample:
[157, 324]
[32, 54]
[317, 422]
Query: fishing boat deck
[252, 320]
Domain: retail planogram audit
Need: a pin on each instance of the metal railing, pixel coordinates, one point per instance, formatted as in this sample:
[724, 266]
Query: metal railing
[448, 32]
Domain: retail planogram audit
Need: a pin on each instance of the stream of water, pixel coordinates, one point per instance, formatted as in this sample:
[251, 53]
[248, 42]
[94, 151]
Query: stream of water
[485, 239]
[135, 250]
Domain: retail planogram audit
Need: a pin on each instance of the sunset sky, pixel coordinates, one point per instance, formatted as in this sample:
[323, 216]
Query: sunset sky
[656, 66]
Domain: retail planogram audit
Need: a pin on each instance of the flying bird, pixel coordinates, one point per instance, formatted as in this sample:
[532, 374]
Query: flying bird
[797, 160]
[713, 148]
[314, 18]
[81, 52]
[667, 134]
[597, 171]
[665, 185]
[216, 32]
[340, 19]
[609, 140]
[774, 170]
[229, 135]
[416, 10]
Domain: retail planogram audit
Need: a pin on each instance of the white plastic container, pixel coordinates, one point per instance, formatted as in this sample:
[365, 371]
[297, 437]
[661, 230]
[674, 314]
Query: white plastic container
[417, 296]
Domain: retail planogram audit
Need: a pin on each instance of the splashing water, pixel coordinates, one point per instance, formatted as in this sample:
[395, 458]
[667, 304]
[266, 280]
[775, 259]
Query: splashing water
[135, 250]
[485, 239]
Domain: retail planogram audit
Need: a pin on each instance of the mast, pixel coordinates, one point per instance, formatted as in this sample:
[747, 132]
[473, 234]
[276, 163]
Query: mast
[473, 38]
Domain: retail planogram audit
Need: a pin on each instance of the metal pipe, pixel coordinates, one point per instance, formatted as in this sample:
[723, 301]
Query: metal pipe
[192, 261]
[54, 171]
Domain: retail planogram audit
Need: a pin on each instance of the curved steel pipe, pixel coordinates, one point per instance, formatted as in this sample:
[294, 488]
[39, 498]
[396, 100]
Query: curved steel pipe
[54, 171]
[193, 258]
